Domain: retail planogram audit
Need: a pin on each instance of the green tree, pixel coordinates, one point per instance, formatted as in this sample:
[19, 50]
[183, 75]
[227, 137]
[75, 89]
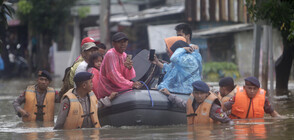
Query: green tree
[44, 18]
[5, 10]
[280, 13]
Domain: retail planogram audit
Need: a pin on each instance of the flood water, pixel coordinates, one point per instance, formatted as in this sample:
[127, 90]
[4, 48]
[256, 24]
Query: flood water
[11, 127]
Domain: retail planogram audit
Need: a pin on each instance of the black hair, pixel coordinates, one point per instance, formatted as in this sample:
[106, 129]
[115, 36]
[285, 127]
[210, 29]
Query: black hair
[102, 46]
[178, 44]
[185, 28]
[92, 58]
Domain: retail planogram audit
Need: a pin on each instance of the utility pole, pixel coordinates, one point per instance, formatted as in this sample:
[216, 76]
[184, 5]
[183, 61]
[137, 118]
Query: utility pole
[75, 47]
[271, 63]
[256, 52]
[104, 22]
[266, 32]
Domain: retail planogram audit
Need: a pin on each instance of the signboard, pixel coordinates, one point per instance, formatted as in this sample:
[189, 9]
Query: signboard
[156, 35]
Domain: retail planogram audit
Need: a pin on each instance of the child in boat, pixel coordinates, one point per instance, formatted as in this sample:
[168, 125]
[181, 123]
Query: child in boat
[94, 68]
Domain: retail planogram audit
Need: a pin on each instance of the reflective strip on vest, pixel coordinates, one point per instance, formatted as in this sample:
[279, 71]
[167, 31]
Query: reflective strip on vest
[74, 119]
[202, 111]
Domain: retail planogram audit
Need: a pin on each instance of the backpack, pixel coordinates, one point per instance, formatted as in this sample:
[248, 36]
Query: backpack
[66, 84]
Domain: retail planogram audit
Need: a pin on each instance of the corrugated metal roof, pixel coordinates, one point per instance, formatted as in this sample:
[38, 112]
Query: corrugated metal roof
[149, 13]
[221, 30]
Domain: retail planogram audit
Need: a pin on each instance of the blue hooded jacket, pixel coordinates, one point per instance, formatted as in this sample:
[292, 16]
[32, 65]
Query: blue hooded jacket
[184, 69]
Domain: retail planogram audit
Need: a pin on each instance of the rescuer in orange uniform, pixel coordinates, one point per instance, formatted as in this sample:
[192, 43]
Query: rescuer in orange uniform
[38, 99]
[202, 107]
[250, 102]
[79, 106]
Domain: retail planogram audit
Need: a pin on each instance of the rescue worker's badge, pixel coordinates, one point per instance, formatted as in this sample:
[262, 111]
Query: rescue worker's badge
[75, 112]
[222, 115]
[65, 106]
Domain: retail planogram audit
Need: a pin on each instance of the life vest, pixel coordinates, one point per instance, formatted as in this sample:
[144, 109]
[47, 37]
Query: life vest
[76, 114]
[31, 105]
[201, 115]
[244, 107]
[230, 95]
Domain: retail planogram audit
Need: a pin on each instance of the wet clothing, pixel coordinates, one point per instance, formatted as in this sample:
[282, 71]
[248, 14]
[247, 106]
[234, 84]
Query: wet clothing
[216, 113]
[82, 111]
[82, 67]
[114, 76]
[95, 79]
[40, 100]
[247, 107]
[228, 97]
[184, 69]
[201, 114]
[85, 103]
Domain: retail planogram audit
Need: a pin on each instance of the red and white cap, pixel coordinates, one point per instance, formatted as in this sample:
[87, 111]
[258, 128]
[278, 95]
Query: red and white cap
[86, 40]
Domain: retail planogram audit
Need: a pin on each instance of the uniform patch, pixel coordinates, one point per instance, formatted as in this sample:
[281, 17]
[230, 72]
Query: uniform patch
[65, 106]
[222, 115]
[218, 110]
[75, 112]
[23, 94]
[232, 99]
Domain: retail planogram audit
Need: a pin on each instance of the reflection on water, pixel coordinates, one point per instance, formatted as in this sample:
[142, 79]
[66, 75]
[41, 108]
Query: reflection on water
[11, 126]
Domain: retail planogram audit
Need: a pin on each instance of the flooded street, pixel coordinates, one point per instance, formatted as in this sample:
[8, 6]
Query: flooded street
[11, 127]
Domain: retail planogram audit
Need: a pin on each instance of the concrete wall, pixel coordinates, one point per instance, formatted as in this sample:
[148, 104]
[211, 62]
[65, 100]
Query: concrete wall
[243, 42]
[244, 51]
[60, 62]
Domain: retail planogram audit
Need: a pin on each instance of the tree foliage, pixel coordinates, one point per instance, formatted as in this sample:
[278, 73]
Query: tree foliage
[83, 11]
[5, 10]
[278, 12]
[45, 16]
[213, 71]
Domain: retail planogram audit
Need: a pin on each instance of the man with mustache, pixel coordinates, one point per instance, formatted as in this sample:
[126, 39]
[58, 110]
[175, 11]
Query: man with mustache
[116, 71]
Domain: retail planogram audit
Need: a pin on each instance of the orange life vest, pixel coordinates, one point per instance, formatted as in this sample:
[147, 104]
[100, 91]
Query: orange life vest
[201, 115]
[75, 115]
[246, 108]
[31, 106]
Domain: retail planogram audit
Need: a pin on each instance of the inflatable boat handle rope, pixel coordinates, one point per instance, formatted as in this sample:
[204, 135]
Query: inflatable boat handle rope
[148, 92]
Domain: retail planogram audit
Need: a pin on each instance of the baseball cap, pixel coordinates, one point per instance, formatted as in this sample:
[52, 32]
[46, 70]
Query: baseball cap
[86, 40]
[119, 36]
[88, 46]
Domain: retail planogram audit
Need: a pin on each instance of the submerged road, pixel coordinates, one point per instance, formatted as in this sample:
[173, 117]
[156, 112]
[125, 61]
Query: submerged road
[11, 127]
